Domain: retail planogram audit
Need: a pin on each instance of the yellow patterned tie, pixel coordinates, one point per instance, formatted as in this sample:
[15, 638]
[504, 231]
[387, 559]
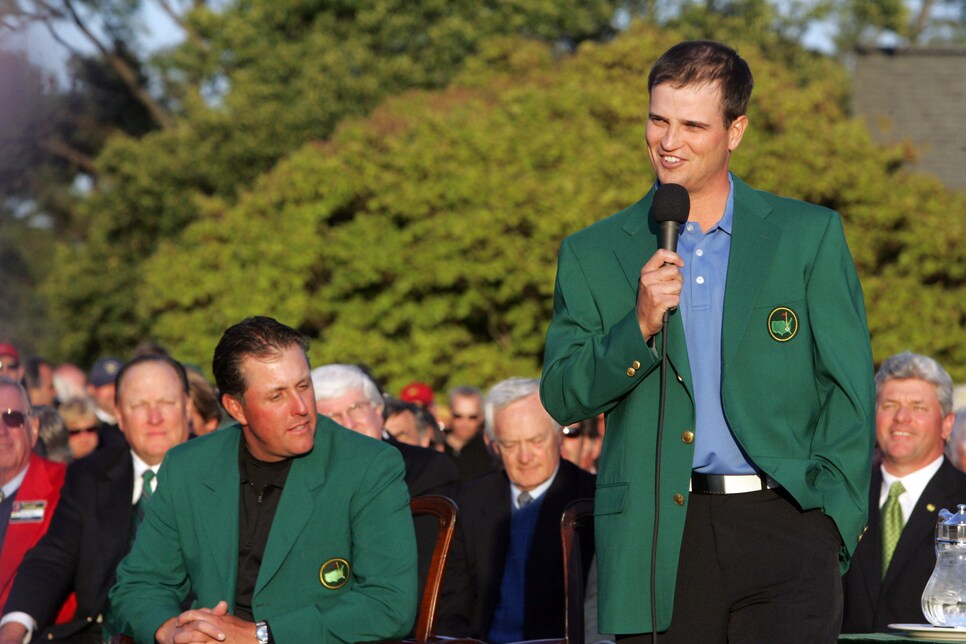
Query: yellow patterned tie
[891, 524]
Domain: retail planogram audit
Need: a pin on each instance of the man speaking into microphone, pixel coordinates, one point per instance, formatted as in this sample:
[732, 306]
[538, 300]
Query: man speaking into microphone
[743, 511]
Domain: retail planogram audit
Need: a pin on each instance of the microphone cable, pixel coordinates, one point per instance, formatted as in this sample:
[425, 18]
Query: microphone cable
[657, 478]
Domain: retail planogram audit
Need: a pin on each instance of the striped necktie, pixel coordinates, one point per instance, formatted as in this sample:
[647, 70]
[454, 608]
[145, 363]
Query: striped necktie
[144, 499]
[891, 524]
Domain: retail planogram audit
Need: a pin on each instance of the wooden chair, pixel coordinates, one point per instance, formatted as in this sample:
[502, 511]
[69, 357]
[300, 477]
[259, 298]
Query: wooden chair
[446, 512]
[575, 516]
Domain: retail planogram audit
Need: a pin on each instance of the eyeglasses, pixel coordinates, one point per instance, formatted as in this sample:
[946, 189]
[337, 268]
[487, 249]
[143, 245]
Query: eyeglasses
[83, 430]
[355, 412]
[13, 419]
[466, 416]
[9, 365]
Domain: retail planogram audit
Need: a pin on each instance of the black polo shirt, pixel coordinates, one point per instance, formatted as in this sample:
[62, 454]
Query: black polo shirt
[261, 488]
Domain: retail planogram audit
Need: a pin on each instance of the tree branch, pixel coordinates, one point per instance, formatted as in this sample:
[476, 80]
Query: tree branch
[61, 150]
[124, 70]
[919, 24]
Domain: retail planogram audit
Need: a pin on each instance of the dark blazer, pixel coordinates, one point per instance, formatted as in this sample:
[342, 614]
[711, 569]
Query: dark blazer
[472, 582]
[87, 538]
[427, 472]
[872, 603]
[474, 459]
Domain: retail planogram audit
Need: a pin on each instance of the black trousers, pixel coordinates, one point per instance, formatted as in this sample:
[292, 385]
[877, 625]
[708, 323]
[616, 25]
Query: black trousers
[754, 569]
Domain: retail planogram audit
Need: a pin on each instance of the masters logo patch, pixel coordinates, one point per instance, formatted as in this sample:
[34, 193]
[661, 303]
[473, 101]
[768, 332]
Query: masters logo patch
[334, 573]
[782, 324]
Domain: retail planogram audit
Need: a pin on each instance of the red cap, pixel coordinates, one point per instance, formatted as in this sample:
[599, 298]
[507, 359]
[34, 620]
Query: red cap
[417, 392]
[7, 349]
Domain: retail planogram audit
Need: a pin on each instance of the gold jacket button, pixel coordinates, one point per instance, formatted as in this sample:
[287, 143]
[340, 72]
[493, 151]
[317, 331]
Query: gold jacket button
[687, 437]
[636, 364]
[631, 371]
[680, 379]
[679, 499]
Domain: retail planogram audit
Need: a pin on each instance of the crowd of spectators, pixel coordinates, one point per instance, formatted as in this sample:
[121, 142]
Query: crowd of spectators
[510, 467]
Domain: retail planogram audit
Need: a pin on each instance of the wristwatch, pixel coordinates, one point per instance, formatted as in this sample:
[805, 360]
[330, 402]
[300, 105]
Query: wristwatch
[261, 632]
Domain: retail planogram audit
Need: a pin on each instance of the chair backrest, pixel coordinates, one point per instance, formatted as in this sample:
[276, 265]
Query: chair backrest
[575, 515]
[445, 511]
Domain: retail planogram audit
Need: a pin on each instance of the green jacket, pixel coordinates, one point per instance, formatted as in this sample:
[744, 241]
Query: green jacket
[798, 394]
[346, 499]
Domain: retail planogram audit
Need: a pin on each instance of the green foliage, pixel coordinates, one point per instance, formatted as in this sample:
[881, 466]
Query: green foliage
[260, 79]
[422, 240]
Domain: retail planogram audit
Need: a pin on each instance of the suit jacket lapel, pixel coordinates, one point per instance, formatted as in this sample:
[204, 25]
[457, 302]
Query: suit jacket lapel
[116, 487]
[753, 245]
[632, 251]
[872, 543]
[295, 507]
[922, 522]
[220, 499]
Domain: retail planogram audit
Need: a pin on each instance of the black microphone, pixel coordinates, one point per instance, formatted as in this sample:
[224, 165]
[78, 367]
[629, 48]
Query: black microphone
[670, 208]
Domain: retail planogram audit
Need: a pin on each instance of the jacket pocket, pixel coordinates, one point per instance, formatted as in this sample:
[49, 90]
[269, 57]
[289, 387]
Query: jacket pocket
[610, 499]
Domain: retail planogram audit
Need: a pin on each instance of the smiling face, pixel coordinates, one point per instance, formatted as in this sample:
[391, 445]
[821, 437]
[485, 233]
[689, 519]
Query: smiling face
[528, 442]
[16, 441]
[688, 142]
[152, 409]
[909, 425]
[277, 411]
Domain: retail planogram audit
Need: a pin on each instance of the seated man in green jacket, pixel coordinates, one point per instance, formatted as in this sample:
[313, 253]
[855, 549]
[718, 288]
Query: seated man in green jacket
[286, 527]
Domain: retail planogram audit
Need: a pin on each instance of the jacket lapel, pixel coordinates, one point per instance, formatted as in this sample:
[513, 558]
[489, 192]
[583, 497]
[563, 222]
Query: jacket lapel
[295, 507]
[632, 251]
[220, 490]
[921, 525]
[753, 245]
[115, 486]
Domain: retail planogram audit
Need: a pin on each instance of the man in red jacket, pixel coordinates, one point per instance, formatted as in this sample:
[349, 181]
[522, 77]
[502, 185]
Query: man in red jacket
[29, 487]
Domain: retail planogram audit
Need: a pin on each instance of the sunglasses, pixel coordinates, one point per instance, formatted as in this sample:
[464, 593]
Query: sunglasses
[466, 416]
[13, 419]
[83, 430]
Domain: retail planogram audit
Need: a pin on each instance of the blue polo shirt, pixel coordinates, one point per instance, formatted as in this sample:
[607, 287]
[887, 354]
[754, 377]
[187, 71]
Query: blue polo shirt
[705, 255]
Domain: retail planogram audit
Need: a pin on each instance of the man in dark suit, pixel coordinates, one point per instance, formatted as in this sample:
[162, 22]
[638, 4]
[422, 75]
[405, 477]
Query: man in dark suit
[348, 396]
[892, 564]
[505, 582]
[92, 527]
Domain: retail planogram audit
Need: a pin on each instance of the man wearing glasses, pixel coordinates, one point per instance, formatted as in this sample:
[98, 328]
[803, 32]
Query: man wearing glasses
[104, 499]
[29, 486]
[10, 366]
[465, 441]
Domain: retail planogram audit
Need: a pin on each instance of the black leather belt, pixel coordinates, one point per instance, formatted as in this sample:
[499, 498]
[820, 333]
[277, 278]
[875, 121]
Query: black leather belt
[731, 483]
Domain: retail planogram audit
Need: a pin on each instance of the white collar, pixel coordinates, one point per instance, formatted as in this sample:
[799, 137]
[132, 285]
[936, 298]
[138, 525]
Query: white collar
[536, 492]
[10, 487]
[914, 484]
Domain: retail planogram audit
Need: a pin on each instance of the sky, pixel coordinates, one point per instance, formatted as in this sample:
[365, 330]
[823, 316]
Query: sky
[159, 31]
